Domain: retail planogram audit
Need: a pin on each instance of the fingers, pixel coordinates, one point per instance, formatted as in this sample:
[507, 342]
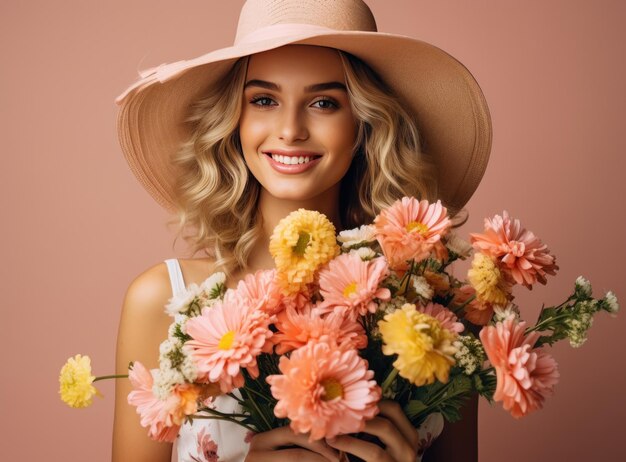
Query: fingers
[390, 435]
[393, 411]
[369, 452]
[274, 439]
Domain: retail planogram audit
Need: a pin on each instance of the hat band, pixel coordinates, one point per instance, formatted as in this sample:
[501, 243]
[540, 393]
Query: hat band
[284, 29]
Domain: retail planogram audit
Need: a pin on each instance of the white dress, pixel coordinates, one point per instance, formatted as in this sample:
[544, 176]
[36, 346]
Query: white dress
[211, 440]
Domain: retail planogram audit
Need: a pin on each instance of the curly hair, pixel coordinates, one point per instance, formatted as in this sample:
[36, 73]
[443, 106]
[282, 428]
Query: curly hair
[216, 195]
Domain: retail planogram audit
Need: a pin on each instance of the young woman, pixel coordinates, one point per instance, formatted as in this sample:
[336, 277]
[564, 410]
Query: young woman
[239, 138]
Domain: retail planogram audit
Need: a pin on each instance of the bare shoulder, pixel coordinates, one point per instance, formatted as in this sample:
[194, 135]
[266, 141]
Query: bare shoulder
[144, 322]
[143, 326]
[149, 289]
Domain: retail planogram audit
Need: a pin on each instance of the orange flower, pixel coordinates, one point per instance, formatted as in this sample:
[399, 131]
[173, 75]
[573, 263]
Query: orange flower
[440, 282]
[410, 229]
[261, 291]
[525, 376]
[518, 251]
[296, 327]
[325, 390]
[476, 312]
[163, 416]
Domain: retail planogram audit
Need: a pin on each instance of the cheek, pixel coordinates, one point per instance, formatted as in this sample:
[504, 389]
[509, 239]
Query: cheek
[252, 131]
[339, 135]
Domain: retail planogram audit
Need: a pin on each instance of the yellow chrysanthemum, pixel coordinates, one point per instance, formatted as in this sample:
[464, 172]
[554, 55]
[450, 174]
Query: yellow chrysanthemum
[424, 348]
[75, 382]
[302, 242]
[488, 281]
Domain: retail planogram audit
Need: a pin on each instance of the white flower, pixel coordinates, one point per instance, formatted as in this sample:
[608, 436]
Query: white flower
[175, 367]
[503, 312]
[356, 236]
[583, 287]
[610, 302]
[194, 298]
[213, 285]
[459, 246]
[470, 354]
[422, 287]
[579, 323]
[180, 303]
[365, 253]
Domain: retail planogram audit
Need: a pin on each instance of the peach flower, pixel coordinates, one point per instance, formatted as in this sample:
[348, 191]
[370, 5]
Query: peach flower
[260, 290]
[347, 281]
[525, 375]
[446, 318]
[410, 229]
[520, 253]
[296, 327]
[227, 337]
[325, 390]
[164, 417]
[476, 311]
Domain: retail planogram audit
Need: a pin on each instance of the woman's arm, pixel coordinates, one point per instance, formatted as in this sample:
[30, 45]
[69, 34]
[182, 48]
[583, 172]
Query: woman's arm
[459, 440]
[143, 326]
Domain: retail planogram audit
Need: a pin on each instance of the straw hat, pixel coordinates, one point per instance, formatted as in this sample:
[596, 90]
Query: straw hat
[445, 99]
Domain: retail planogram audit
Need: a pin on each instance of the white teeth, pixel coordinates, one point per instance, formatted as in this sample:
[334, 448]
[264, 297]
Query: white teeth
[291, 160]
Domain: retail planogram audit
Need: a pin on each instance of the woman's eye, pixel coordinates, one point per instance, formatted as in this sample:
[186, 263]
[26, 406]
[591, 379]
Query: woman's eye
[262, 101]
[326, 104]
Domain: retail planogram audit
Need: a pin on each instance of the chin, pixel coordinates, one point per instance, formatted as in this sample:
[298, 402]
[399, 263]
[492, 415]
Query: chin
[290, 194]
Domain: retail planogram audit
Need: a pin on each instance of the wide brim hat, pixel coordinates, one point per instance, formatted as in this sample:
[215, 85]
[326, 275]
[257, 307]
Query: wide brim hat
[438, 91]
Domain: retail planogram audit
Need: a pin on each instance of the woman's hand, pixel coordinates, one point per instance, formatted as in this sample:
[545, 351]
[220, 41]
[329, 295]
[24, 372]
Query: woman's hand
[270, 446]
[391, 427]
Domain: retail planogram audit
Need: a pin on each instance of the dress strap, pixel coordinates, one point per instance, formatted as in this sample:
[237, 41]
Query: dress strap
[176, 276]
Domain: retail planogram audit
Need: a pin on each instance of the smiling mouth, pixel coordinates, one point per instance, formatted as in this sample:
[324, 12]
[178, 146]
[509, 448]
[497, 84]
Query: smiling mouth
[292, 160]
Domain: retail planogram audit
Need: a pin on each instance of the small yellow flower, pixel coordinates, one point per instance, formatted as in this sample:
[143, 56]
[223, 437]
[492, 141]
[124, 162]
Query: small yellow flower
[488, 280]
[424, 348]
[302, 242]
[75, 382]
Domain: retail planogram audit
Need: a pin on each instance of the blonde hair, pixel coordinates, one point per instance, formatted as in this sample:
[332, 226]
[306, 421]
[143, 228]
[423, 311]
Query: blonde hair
[217, 196]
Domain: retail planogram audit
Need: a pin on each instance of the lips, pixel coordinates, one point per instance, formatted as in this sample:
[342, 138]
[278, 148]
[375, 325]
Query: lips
[292, 157]
[290, 162]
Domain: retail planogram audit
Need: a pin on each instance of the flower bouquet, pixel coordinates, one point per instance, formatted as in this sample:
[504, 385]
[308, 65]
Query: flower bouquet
[345, 320]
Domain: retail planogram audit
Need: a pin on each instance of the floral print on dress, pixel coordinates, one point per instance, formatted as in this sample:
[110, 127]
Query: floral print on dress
[249, 435]
[430, 429]
[207, 448]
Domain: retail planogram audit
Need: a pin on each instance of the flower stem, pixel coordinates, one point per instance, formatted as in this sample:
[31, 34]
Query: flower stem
[540, 326]
[232, 395]
[388, 381]
[105, 377]
[253, 401]
[462, 305]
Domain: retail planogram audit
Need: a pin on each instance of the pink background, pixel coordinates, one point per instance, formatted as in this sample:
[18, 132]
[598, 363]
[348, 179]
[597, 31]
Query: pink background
[77, 227]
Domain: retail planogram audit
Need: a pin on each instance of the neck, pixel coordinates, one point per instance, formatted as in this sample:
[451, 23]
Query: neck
[273, 209]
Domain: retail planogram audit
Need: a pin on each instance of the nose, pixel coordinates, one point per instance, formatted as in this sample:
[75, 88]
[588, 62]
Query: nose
[292, 125]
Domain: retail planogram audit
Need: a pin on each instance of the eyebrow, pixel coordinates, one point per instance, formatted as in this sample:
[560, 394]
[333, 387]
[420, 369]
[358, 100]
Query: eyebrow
[309, 89]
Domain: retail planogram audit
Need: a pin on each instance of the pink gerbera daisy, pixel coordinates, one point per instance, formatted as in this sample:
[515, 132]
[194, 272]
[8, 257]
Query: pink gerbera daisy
[227, 337]
[525, 376]
[446, 318]
[296, 327]
[162, 416]
[521, 254]
[325, 390]
[410, 229]
[347, 281]
[260, 290]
